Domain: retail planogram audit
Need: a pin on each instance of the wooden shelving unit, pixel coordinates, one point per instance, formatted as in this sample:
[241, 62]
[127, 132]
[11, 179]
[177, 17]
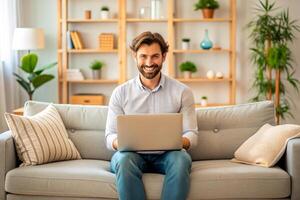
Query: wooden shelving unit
[122, 21]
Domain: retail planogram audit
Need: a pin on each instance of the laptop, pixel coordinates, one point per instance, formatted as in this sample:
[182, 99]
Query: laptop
[149, 132]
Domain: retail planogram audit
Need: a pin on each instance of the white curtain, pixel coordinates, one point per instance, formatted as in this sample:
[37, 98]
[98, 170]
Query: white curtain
[9, 91]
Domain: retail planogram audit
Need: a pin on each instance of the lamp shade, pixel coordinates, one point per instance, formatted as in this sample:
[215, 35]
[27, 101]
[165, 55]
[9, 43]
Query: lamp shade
[28, 39]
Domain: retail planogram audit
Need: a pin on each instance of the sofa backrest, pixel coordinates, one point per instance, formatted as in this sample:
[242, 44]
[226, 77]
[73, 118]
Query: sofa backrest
[221, 129]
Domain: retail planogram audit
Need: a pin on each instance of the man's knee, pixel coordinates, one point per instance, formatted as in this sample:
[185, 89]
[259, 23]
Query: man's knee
[126, 160]
[180, 160]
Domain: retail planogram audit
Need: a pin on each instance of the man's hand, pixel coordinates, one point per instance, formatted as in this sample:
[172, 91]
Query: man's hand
[115, 144]
[186, 143]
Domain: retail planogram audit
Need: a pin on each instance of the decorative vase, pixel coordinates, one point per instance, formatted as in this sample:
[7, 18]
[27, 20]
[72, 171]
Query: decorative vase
[104, 14]
[208, 13]
[206, 42]
[155, 9]
[187, 74]
[96, 74]
[219, 75]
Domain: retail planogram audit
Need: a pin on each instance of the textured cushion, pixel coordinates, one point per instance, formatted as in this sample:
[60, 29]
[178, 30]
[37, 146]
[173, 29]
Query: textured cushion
[41, 138]
[91, 178]
[85, 126]
[223, 129]
[267, 145]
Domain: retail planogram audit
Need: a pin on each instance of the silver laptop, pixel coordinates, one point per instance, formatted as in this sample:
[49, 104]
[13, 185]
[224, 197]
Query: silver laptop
[149, 132]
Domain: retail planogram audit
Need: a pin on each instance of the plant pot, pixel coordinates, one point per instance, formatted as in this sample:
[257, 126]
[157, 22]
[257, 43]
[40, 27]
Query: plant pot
[187, 74]
[96, 74]
[208, 13]
[203, 102]
[185, 45]
[104, 14]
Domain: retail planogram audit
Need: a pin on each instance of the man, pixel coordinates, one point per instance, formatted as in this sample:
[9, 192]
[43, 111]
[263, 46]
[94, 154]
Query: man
[152, 92]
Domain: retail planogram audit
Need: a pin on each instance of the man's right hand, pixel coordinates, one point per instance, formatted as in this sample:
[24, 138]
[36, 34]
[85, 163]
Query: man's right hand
[115, 144]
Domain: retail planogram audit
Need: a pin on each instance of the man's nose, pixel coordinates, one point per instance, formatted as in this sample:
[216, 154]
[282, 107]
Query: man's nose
[149, 61]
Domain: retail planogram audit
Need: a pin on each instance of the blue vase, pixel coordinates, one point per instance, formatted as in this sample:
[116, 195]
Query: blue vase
[206, 42]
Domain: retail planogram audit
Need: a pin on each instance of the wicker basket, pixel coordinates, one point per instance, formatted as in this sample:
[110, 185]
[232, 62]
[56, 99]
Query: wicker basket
[106, 41]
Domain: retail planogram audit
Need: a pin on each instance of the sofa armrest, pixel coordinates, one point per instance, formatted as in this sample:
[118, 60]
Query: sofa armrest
[8, 159]
[292, 164]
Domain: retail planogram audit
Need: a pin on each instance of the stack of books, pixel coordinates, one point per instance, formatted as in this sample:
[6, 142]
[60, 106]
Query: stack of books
[74, 75]
[74, 40]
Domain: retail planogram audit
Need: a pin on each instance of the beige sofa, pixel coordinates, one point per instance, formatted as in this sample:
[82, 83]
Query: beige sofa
[213, 176]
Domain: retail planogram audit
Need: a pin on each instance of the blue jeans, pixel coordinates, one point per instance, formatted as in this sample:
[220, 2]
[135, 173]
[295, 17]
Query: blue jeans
[130, 166]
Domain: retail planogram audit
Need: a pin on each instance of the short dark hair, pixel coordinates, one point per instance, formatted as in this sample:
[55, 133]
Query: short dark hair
[149, 38]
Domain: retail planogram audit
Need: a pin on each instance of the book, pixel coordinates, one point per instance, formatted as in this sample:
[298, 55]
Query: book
[73, 37]
[70, 44]
[79, 40]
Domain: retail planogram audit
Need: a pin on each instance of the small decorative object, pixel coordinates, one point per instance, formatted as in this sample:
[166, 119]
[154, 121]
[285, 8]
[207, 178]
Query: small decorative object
[185, 43]
[106, 41]
[155, 9]
[206, 42]
[34, 77]
[203, 101]
[207, 7]
[96, 67]
[187, 68]
[87, 14]
[217, 48]
[219, 75]
[74, 75]
[104, 12]
[210, 74]
[144, 12]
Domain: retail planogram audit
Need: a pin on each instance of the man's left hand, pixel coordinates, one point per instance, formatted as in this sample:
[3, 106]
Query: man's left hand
[186, 143]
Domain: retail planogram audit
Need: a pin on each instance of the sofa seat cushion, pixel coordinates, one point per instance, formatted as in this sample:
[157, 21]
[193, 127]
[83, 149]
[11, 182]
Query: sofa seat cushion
[91, 178]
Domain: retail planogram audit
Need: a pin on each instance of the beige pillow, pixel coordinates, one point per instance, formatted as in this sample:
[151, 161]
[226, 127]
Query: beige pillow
[41, 138]
[267, 145]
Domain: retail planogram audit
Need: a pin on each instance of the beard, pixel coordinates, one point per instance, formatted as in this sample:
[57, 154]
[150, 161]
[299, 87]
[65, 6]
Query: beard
[149, 72]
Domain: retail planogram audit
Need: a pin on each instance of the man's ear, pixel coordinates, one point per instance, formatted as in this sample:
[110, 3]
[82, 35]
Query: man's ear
[164, 56]
[134, 55]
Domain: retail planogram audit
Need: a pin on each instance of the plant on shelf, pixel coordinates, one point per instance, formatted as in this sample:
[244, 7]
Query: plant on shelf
[185, 43]
[208, 7]
[96, 67]
[35, 78]
[271, 34]
[203, 101]
[104, 12]
[188, 68]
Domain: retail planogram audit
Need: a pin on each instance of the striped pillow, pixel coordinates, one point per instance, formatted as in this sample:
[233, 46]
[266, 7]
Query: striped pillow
[41, 138]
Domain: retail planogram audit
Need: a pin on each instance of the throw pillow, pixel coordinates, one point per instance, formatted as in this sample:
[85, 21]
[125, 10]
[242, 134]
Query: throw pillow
[41, 138]
[267, 145]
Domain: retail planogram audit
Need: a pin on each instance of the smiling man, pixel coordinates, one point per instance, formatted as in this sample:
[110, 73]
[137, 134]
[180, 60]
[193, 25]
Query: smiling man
[152, 92]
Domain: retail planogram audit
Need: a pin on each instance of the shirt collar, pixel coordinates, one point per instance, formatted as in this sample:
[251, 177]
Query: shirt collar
[160, 85]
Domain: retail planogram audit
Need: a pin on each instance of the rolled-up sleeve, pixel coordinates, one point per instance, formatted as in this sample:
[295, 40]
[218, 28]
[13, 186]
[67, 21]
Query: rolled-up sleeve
[114, 109]
[190, 128]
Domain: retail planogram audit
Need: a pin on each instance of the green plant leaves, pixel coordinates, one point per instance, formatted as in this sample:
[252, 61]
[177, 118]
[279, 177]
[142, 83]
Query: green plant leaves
[41, 79]
[29, 62]
[40, 70]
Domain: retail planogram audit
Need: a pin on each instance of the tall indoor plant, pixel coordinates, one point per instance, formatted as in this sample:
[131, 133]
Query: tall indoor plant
[35, 78]
[271, 34]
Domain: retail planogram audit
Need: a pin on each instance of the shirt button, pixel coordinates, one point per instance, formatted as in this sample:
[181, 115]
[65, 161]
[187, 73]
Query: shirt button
[216, 130]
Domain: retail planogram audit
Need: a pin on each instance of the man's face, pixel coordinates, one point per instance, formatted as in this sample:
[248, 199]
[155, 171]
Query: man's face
[149, 60]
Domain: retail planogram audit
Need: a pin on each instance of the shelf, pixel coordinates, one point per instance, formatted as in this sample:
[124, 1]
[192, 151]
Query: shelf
[89, 51]
[91, 81]
[195, 80]
[197, 105]
[201, 51]
[145, 20]
[202, 20]
[91, 20]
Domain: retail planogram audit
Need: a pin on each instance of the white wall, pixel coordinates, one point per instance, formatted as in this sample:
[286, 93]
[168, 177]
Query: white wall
[42, 13]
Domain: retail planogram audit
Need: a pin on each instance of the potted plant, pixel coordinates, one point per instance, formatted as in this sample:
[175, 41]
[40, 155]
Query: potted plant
[104, 12]
[207, 7]
[185, 43]
[96, 67]
[203, 101]
[35, 77]
[187, 68]
[272, 34]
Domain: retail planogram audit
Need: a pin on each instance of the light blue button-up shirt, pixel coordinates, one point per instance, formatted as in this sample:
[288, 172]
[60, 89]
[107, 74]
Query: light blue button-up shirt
[170, 96]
